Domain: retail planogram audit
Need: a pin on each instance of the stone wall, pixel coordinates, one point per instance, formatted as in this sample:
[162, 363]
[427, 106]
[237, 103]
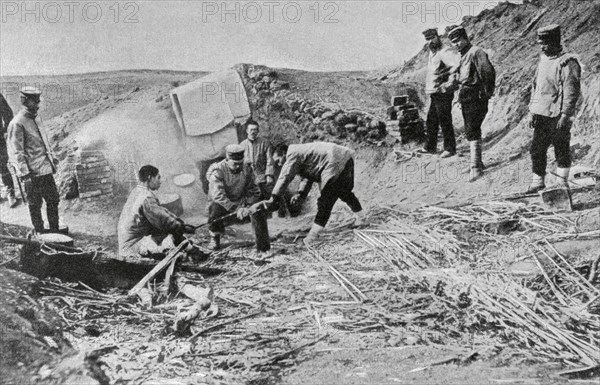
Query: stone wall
[94, 175]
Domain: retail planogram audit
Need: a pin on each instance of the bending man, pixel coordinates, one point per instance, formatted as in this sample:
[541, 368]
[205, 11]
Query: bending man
[329, 165]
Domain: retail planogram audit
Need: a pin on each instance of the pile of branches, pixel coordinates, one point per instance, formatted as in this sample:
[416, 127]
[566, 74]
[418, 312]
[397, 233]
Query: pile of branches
[437, 256]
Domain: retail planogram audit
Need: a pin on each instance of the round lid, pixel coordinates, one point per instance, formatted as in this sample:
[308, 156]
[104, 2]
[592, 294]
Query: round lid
[184, 180]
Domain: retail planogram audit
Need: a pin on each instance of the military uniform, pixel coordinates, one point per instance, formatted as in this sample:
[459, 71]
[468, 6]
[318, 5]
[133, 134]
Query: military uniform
[329, 165]
[258, 156]
[30, 153]
[441, 68]
[6, 115]
[477, 82]
[556, 90]
[229, 191]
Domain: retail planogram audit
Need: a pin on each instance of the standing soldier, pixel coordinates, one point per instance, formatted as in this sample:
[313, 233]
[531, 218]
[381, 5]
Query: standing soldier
[477, 82]
[258, 155]
[439, 85]
[231, 188]
[30, 153]
[329, 165]
[6, 116]
[556, 89]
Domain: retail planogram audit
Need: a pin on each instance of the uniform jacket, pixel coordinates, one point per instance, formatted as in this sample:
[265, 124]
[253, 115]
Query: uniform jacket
[142, 215]
[556, 86]
[6, 115]
[441, 69]
[258, 154]
[28, 146]
[316, 162]
[476, 76]
[231, 190]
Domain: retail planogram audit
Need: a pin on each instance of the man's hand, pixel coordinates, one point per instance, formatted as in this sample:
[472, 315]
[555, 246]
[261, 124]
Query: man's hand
[296, 199]
[564, 123]
[242, 212]
[269, 179]
[262, 205]
[189, 229]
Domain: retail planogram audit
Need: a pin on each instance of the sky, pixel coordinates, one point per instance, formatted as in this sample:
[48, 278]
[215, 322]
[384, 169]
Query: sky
[62, 37]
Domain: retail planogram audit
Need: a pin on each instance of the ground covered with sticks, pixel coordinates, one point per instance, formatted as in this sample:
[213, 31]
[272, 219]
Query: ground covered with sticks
[434, 295]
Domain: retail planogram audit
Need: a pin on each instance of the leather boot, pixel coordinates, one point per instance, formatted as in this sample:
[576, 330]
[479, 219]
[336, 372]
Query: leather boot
[476, 163]
[215, 241]
[313, 235]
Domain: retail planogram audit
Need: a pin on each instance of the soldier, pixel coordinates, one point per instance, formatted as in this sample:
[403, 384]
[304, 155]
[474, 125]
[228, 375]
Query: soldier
[145, 227]
[556, 89]
[231, 188]
[330, 165]
[6, 115]
[32, 157]
[258, 155]
[439, 85]
[477, 82]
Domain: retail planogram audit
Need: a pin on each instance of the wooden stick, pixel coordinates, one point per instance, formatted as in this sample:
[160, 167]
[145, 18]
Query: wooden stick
[283, 355]
[235, 320]
[174, 254]
[589, 285]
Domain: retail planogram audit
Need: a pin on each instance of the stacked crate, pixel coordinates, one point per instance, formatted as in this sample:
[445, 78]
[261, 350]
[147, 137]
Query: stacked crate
[94, 175]
[405, 120]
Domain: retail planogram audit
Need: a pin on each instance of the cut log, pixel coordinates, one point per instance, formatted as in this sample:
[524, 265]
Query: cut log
[56, 239]
[171, 202]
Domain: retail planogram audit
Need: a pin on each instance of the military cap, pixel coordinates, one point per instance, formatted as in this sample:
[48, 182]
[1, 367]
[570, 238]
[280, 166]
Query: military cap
[550, 32]
[430, 33]
[235, 152]
[31, 92]
[456, 31]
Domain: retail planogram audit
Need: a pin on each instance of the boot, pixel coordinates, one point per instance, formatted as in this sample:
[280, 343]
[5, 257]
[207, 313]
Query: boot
[476, 163]
[313, 235]
[215, 241]
[562, 176]
[12, 199]
[360, 218]
[537, 184]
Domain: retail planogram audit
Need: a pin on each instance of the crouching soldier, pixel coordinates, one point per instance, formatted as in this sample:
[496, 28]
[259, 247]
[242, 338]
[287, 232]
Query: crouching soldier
[145, 227]
[329, 165]
[556, 89]
[231, 188]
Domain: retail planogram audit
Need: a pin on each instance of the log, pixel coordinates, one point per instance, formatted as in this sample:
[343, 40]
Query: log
[34, 242]
[171, 202]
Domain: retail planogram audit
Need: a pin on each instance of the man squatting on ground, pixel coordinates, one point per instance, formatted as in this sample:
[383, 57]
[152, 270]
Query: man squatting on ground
[231, 188]
[329, 165]
[477, 82]
[556, 89]
[440, 86]
[31, 155]
[145, 227]
[6, 115]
